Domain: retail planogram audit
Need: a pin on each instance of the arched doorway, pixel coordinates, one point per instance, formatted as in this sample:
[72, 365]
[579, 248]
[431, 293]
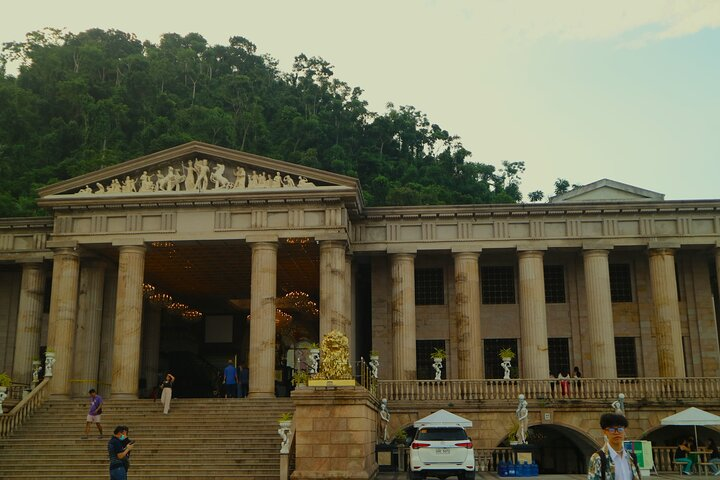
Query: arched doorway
[671, 435]
[559, 449]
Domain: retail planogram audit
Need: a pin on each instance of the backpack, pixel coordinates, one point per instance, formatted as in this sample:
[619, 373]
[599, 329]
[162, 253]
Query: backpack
[603, 464]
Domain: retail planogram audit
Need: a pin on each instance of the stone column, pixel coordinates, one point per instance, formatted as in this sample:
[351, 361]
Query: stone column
[108, 332]
[30, 312]
[151, 345]
[403, 316]
[349, 317]
[88, 328]
[467, 307]
[671, 362]
[261, 360]
[600, 315]
[63, 312]
[533, 315]
[128, 322]
[332, 287]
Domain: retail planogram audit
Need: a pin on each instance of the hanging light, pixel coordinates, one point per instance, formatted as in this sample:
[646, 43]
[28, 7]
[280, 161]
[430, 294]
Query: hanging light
[177, 308]
[162, 299]
[192, 315]
[148, 289]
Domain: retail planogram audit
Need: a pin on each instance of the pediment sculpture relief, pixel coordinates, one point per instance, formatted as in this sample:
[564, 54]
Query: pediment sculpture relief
[199, 175]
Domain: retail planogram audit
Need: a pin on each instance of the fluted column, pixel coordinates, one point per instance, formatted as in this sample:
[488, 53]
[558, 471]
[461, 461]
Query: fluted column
[30, 311]
[467, 320]
[128, 322]
[601, 330]
[403, 316]
[671, 362]
[349, 320]
[717, 268]
[151, 345]
[261, 359]
[107, 337]
[332, 287]
[533, 315]
[88, 328]
[61, 322]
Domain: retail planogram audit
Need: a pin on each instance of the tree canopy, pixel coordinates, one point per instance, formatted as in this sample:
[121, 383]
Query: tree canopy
[83, 101]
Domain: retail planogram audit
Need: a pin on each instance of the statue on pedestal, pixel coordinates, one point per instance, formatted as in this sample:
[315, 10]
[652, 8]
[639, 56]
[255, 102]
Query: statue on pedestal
[522, 416]
[619, 404]
[385, 420]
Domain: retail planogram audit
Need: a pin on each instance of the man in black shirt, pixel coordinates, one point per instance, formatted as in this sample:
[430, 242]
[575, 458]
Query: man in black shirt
[118, 452]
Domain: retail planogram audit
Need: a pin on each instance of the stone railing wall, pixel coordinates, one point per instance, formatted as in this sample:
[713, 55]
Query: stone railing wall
[584, 389]
[13, 419]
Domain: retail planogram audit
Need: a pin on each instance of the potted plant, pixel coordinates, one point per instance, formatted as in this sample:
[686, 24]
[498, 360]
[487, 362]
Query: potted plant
[285, 420]
[374, 355]
[5, 381]
[438, 353]
[400, 437]
[314, 346]
[506, 354]
[300, 377]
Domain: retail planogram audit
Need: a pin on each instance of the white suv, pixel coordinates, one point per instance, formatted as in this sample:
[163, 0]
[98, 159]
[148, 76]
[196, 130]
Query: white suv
[442, 452]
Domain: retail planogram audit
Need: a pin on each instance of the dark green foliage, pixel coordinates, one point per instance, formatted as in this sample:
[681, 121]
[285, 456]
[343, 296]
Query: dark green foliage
[85, 101]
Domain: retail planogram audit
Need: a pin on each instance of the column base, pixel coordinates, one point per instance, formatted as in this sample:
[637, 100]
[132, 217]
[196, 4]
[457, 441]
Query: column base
[261, 395]
[123, 396]
[60, 396]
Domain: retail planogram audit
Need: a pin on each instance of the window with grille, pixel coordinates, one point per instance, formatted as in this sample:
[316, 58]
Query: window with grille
[492, 356]
[429, 286]
[554, 283]
[498, 285]
[423, 350]
[620, 283]
[625, 357]
[559, 356]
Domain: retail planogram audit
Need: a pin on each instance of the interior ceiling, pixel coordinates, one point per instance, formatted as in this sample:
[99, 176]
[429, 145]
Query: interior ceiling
[207, 275]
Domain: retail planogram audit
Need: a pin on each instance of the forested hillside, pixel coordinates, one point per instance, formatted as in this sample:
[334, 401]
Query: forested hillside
[83, 101]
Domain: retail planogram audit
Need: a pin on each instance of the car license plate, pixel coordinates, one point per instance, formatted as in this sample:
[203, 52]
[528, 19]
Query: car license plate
[442, 451]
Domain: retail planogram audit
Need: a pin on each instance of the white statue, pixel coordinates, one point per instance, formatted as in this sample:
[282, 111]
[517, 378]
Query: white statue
[288, 181]
[115, 186]
[619, 404]
[437, 365]
[189, 172]
[36, 375]
[218, 177]
[128, 185]
[522, 416]
[146, 183]
[284, 433]
[384, 419]
[240, 177]
[277, 181]
[374, 364]
[85, 190]
[49, 363]
[202, 170]
[505, 364]
[304, 182]
[100, 188]
[314, 361]
[3, 396]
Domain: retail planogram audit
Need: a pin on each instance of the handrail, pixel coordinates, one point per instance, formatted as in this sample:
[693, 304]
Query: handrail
[15, 417]
[648, 388]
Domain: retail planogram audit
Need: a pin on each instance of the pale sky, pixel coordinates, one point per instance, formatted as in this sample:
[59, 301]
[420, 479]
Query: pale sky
[627, 90]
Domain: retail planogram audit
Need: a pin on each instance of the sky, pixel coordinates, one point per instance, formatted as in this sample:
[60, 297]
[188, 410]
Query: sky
[580, 90]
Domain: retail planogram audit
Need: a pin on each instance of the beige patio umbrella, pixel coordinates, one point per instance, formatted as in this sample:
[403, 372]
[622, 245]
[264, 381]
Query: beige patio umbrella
[692, 417]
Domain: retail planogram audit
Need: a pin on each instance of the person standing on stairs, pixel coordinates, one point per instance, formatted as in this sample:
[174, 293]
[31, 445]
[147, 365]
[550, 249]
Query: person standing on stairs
[244, 378]
[166, 395]
[117, 452]
[230, 378]
[94, 413]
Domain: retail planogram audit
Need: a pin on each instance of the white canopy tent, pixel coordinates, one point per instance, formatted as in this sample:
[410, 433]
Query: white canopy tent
[692, 417]
[443, 418]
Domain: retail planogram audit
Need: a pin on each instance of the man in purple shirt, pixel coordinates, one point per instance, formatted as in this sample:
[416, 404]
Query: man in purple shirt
[94, 413]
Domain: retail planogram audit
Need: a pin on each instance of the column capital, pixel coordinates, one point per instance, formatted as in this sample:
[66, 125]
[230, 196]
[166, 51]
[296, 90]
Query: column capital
[470, 255]
[132, 249]
[661, 251]
[66, 252]
[522, 254]
[590, 253]
[258, 246]
[325, 244]
[402, 256]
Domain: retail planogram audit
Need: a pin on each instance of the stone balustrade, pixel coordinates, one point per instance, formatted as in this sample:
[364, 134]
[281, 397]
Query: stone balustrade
[582, 389]
[13, 419]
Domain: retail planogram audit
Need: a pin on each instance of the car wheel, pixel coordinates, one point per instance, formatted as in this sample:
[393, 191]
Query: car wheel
[467, 476]
[415, 476]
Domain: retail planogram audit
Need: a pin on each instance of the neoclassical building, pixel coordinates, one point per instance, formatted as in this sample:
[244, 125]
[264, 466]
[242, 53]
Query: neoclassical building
[186, 257]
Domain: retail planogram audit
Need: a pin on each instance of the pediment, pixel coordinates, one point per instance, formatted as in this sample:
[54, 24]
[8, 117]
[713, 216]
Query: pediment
[196, 169]
[607, 190]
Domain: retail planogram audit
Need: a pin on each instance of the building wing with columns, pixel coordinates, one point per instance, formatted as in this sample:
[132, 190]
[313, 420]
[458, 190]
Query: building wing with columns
[610, 278]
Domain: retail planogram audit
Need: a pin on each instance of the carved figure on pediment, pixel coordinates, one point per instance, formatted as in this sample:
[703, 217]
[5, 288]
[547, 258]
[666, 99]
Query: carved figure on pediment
[252, 179]
[189, 172]
[100, 188]
[240, 177]
[160, 181]
[262, 181]
[277, 180]
[203, 170]
[176, 179]
[304, 182]
[85, 190]
[146, 183]
[128, 185]
[115, 186]
[218, 177]
[288, 181]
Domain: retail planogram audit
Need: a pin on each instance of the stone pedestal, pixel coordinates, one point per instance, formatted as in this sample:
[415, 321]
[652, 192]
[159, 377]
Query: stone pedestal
[88, 329]
[332, 287]
[533, 316]
[63, 312]
[335, 433]
[671, 362]
[467, 316]
[403, 316]
[128, 322]
[261, 360]
[30, 312]
[600, 315]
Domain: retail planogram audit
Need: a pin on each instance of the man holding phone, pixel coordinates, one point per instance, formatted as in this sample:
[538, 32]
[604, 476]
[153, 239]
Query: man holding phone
[119, 448]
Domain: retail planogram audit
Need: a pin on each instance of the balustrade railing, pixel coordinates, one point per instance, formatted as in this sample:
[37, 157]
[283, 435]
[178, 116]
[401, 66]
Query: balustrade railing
[364, 377]
[15, 417]
[488, 459]
[577, 388]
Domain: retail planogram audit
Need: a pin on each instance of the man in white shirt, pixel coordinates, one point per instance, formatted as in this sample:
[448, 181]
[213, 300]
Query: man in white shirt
[613, 461]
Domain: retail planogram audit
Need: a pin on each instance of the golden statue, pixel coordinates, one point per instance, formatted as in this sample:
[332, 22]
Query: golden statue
[334, 354]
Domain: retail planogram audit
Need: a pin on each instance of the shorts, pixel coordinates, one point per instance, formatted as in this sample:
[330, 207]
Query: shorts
[93, 419]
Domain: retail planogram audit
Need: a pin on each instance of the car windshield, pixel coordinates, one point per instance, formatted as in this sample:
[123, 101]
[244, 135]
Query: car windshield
[451, 433]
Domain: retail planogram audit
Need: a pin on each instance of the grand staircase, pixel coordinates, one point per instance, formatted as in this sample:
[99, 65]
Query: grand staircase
[198, 439]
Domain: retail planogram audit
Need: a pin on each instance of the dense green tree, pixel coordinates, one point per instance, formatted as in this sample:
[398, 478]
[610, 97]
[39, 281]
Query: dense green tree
[84, 101]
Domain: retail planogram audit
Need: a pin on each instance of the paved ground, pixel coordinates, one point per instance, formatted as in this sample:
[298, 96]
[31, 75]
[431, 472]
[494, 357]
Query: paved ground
[494, 476]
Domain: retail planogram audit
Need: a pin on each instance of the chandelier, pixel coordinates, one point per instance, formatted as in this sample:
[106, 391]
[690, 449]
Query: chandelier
[162, 299]
[192, 315]
[177, 308]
